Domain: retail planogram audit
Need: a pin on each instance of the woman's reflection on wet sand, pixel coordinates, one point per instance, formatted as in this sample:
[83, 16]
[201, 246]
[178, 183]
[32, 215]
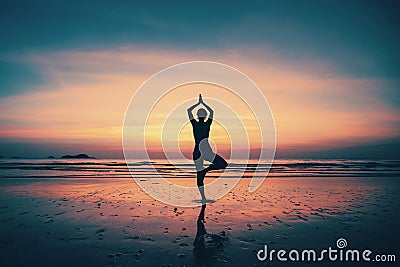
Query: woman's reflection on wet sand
[209, 247]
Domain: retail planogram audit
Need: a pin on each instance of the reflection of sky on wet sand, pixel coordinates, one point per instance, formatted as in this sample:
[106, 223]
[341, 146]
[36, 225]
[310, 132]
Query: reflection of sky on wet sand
[282, 212]
[284, 200]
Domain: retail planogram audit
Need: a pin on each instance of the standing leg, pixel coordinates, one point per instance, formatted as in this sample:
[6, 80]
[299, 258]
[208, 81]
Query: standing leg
[200, 184]
[201, 173]
[203, 196]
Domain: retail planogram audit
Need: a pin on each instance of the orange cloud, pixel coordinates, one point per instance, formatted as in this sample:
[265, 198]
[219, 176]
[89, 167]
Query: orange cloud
[86, 94]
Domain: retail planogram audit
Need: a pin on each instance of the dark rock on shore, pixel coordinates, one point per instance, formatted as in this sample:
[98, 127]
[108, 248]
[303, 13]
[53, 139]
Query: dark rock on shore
[79, 156]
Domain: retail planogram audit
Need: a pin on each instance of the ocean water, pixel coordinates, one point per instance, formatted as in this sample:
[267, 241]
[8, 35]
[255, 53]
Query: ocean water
[118, 168]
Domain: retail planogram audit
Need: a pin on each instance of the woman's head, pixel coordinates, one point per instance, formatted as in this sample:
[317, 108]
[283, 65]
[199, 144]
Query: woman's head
[201, 113]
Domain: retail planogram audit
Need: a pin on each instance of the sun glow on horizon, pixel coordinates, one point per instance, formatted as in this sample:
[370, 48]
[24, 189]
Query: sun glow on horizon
[168, 124]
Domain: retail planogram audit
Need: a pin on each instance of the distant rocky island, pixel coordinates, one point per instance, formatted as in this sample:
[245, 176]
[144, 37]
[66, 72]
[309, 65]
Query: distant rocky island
[79, 156]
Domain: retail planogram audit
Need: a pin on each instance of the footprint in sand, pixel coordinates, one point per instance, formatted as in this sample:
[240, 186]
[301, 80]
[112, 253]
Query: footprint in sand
[100, 231]
[49, 220]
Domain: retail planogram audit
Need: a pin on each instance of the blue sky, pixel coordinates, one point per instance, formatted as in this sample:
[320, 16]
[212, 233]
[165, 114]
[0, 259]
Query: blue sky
[360, 38]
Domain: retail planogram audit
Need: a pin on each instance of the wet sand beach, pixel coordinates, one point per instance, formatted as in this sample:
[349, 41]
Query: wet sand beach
[112, 222]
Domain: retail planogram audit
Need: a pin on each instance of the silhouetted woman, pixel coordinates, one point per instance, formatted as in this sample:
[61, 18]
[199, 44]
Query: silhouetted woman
[202, 150]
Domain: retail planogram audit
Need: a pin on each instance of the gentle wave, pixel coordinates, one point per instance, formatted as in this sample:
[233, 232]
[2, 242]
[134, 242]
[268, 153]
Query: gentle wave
[116, 168]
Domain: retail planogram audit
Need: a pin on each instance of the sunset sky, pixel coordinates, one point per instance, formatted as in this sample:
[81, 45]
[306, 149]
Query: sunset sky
[329, 70]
